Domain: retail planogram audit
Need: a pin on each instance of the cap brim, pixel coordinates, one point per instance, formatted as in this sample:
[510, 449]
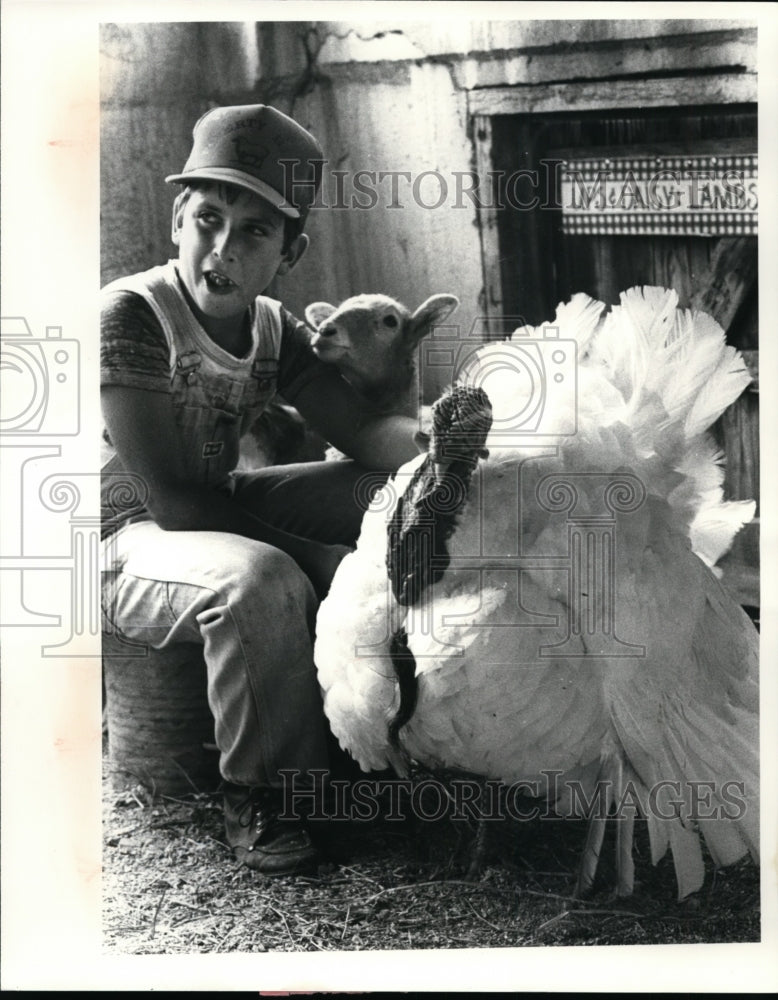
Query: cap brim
[230, 176]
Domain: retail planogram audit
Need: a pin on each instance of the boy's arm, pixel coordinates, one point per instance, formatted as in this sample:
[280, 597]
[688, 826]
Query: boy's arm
[332, 408]
[143, 430]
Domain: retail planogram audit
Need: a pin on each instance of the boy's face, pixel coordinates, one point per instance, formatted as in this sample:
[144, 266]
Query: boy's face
[229, 252]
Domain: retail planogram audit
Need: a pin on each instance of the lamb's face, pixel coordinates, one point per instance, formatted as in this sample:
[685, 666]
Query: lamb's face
[372, 341]
[363, 336]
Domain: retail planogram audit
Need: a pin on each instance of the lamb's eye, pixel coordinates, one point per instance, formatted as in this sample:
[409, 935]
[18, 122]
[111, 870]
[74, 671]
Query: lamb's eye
[390, 321]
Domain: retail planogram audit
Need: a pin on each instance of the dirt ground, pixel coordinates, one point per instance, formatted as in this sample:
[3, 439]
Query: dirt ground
[171, 886]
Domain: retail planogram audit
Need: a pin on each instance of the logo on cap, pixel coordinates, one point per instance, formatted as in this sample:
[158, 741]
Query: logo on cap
[248, 153]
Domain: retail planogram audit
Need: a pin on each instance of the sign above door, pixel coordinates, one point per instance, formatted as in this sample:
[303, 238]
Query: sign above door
[701, 195]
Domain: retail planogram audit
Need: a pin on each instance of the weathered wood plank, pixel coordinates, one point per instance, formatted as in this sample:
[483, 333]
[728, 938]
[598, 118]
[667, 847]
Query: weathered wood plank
[740, 566]
[751, 359]
[742, 581]
[488, 231]
[137, 149]
[739, 434]
[631, 59]
[723, 88]
[401, 39]
[731, 275]
[661, 148]
[508, 67]
[395, 245]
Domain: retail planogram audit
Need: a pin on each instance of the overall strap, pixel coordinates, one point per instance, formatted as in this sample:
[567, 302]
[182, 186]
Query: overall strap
[158, 287]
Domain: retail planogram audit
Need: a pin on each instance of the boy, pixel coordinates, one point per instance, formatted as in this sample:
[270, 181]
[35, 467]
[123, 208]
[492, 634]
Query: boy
[191, 354]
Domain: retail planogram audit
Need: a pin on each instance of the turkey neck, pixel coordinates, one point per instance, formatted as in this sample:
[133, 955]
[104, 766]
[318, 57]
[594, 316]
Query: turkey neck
[422, 523]
[417, 558]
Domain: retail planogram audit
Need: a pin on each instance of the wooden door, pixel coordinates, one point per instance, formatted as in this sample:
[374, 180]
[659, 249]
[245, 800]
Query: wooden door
[540, 264]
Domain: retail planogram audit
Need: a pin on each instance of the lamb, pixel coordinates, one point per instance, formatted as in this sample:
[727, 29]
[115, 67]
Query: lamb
[372, 341]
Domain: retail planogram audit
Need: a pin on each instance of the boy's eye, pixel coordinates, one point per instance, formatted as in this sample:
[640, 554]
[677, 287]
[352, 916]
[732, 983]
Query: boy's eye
[208, 217]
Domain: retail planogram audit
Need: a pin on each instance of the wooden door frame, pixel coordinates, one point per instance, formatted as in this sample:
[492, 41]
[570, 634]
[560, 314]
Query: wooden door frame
[595, 95]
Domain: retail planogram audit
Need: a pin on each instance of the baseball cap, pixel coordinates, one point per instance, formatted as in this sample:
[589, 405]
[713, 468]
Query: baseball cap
[245, 145]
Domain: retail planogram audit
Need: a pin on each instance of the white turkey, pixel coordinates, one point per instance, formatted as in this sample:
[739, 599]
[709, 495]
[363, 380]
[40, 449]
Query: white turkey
[536, 594]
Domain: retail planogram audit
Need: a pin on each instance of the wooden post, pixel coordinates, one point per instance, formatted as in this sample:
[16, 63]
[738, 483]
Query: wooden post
[731, 276]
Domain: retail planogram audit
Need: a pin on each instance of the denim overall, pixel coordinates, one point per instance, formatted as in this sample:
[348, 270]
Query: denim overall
[216, 396]
[249, 604]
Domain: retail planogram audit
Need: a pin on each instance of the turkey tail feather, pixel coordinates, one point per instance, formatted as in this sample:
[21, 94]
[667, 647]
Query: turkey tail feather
[625, 865]
[590, 858]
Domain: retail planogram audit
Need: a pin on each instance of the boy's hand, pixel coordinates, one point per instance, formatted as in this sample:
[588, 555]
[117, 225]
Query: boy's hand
[334, 410]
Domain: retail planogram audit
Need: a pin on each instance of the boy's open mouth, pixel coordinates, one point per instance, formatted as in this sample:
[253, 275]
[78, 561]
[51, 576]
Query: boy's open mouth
[218, 282]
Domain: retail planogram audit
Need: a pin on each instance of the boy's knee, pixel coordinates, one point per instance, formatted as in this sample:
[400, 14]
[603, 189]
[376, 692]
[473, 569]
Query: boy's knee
[261, 570]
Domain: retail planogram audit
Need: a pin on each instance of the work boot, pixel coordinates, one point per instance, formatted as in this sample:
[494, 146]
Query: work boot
[262, 841]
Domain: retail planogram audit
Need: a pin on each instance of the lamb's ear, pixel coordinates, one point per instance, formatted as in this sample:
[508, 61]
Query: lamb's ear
[429, 314]
[317, 312]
